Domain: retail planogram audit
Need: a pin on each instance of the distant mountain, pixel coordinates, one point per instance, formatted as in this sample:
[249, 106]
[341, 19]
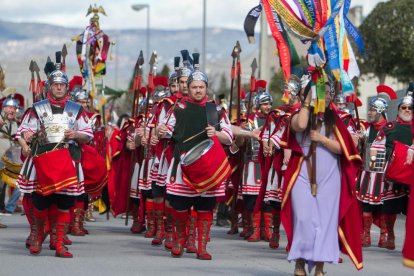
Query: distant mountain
[21, 42]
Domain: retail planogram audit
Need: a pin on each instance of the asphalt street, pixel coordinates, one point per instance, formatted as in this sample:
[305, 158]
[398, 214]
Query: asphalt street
[111, 249]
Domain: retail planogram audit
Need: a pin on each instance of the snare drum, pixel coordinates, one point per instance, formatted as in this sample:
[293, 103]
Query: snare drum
[205, 166]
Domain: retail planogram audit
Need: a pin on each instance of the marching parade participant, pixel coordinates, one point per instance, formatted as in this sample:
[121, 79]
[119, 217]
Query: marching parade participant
[311, 214]
[194, 125]
[56, 127]
[368, 188]
[133, 143]
[394, 194]
[251, 174]
[408, 247]
[93, 163]
[81, 97]
[341, 102]
[37, 92]
[177, 84]
[274, 143]
[9, 152]
[161, 92]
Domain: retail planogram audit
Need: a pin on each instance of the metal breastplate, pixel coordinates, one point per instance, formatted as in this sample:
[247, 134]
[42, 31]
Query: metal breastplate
[54, 125]
[147, 152]
[252, 152]
[253, 146]
[377, 166]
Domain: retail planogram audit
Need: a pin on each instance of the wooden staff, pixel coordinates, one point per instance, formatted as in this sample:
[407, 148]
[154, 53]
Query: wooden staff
[252, 87]
[32, 81]
[136, 87]
[151, 88]
[238, 82]
[314, 126]
[232, 77]
[39, 85]
[240, 167]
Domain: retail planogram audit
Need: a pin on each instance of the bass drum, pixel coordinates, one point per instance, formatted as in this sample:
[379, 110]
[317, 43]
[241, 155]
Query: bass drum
[11, 165]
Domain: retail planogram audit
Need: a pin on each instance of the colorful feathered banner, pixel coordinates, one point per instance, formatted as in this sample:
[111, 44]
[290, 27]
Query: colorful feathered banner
[320, 23]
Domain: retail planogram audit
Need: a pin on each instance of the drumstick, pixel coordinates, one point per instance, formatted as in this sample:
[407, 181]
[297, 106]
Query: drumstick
[198, 134]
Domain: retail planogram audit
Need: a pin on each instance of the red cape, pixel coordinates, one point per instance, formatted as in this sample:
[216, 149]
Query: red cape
[408, 249]
[276, 160]
[349, 209]
[120, 173]
[111, 151]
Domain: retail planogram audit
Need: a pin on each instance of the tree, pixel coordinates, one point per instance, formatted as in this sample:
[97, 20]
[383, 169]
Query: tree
[388, 34]
[277, 82]
[223, 87]
[165, 71]
[275, 87]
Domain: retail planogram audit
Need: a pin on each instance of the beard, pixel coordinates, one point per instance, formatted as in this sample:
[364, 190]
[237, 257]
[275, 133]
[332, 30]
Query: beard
[373, 119]
[405, 118]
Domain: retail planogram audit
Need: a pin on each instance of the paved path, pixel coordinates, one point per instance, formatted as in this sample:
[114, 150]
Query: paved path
[111, 249]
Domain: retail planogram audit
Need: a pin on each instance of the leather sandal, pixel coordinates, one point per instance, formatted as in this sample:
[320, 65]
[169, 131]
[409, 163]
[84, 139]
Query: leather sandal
[300, 268]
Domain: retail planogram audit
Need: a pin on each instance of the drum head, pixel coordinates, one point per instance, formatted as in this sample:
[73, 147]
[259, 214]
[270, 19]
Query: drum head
[196, 152]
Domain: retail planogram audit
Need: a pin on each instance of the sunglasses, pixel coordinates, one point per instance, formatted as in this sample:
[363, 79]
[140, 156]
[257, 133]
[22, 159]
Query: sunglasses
[406, 107]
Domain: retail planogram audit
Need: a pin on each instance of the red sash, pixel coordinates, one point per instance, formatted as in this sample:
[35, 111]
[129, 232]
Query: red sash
[55, 171]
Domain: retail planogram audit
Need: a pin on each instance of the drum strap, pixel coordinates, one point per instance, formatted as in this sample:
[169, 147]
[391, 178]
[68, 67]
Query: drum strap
[273, 176]
[175, 164]
[212, 115]
[212, 119]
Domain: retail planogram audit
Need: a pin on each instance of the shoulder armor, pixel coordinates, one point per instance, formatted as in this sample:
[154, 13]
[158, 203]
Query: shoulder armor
[43, 110]
[181, 105]
[40, 103]
[389, 125]
[72, 109]
[166, 101]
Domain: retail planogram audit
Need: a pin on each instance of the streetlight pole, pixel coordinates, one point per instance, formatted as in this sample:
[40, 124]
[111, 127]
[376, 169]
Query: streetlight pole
[138, 7]
[204, 36]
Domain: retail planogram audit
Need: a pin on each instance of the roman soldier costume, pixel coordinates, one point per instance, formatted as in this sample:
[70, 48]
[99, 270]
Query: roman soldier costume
[271, 190]
[164, 148]
[93, 163]
[393, 194]
[51, 175]
[371, 182]
[252, 178]
[196, 179]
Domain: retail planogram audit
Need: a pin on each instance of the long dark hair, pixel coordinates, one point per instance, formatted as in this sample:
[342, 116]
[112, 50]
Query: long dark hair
[328, 119]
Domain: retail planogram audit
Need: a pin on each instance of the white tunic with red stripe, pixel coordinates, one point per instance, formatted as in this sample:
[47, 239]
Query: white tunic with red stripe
[178, 187]
[28, 184]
